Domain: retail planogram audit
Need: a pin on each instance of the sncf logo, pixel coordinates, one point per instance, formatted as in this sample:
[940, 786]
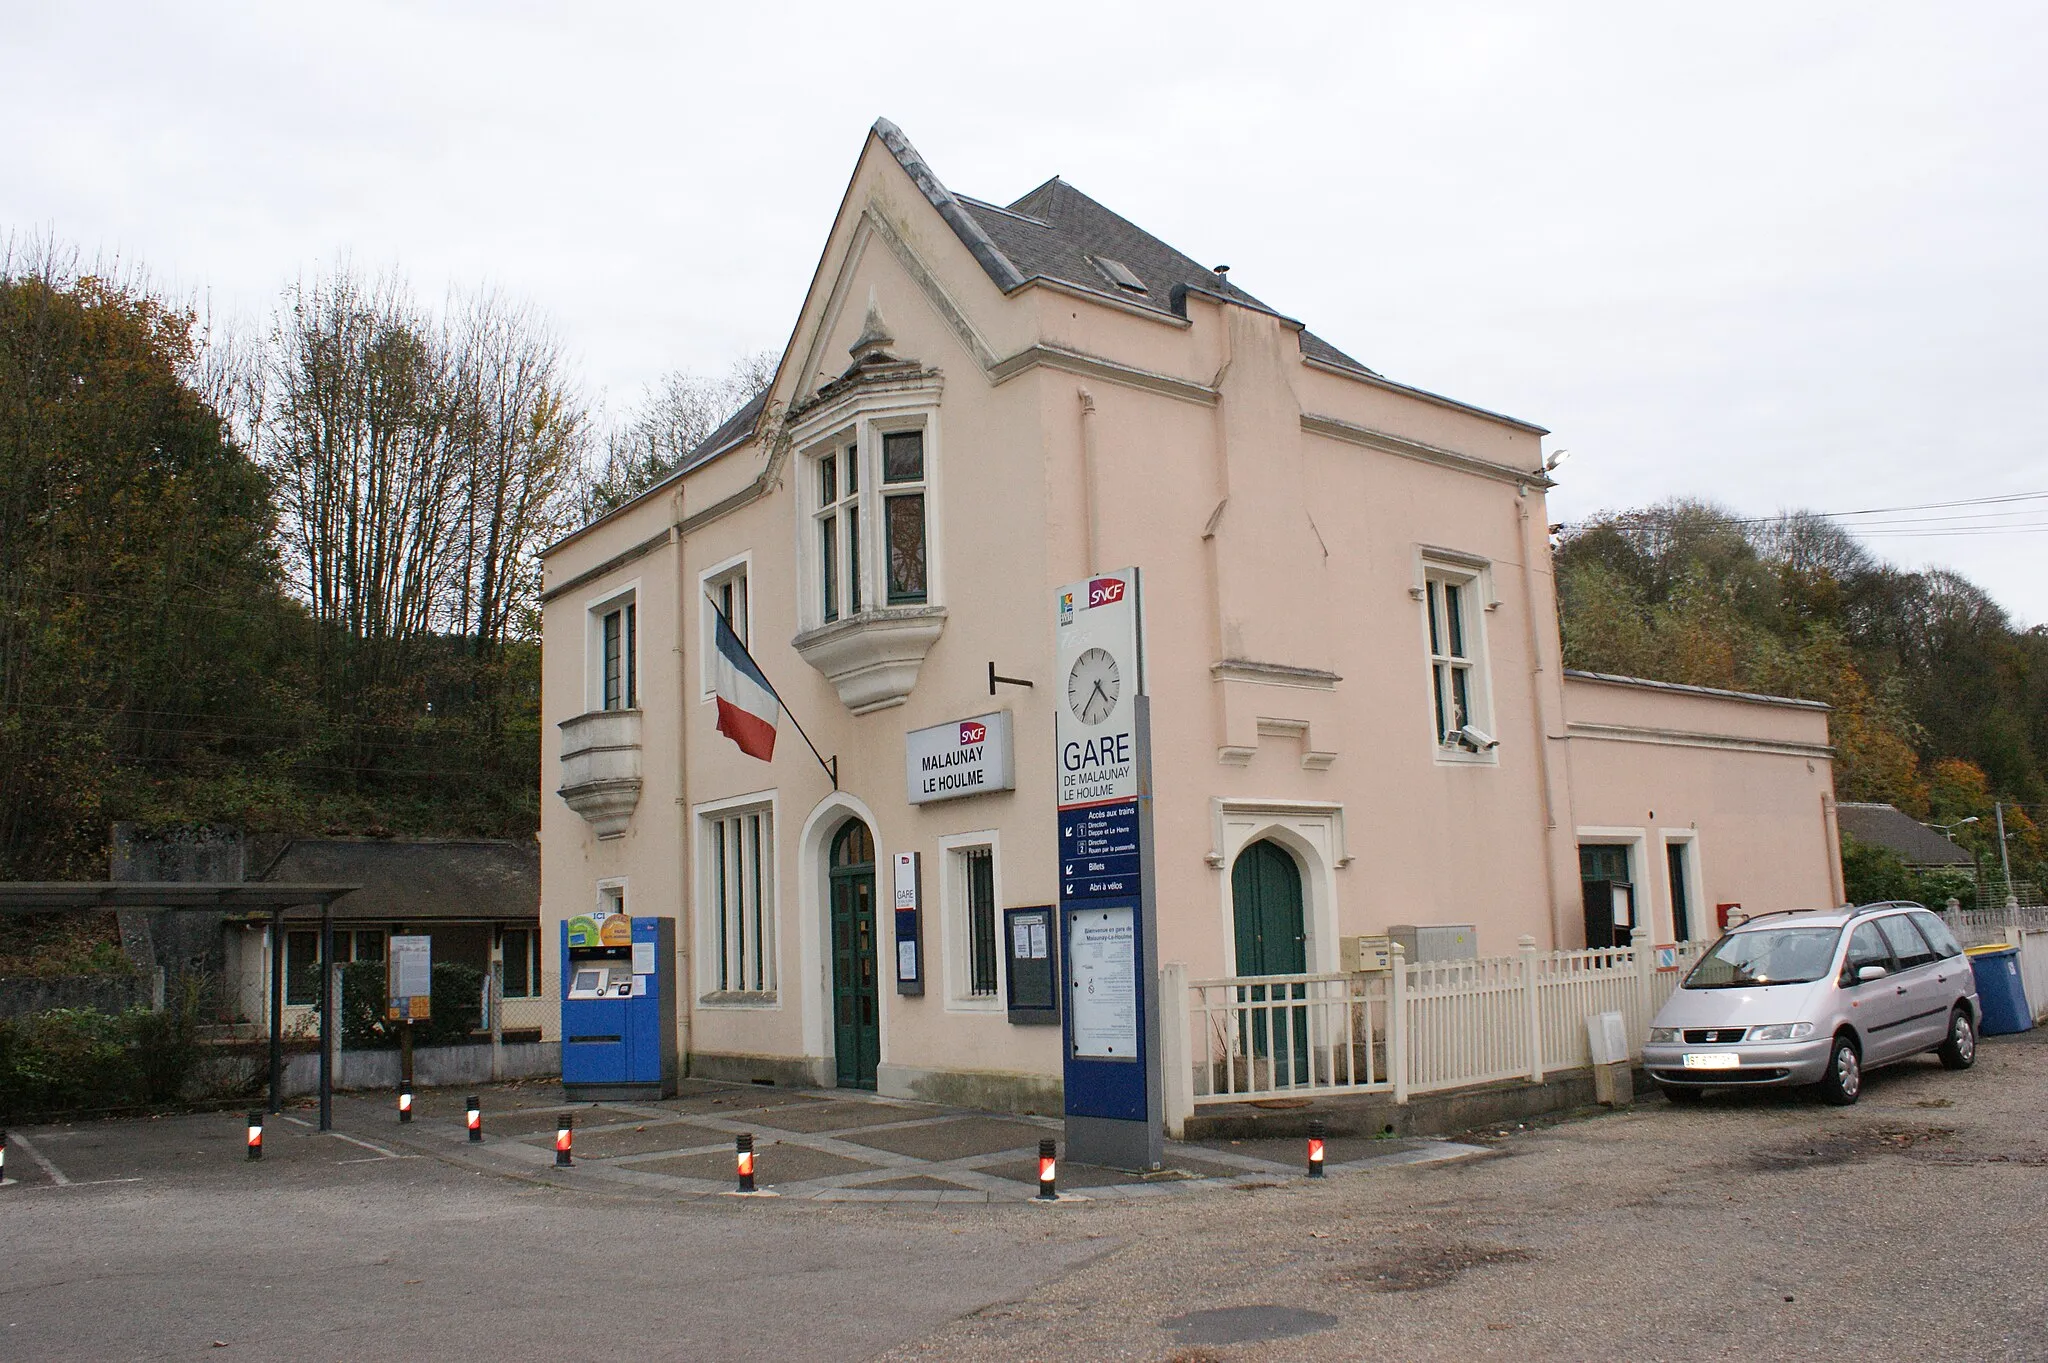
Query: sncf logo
[970, 732]
[1105, 591]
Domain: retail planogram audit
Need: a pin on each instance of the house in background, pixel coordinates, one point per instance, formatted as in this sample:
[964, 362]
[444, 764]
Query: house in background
[477, 899]
[1360, 714]
[1921, 848]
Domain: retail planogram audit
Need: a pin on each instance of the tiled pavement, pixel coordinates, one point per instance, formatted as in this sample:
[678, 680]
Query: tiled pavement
[828, 1146]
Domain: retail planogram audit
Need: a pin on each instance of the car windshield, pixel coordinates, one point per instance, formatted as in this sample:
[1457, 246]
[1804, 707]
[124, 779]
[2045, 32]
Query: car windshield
[1766, 956]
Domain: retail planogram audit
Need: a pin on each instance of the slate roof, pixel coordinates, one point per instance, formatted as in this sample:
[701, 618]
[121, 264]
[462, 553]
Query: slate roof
[1915, 843]
[1055, 233]
[474, 879]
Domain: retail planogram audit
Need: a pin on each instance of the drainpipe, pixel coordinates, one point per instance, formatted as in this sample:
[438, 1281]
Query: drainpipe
[1536, 699]
[1091, 496]
[687, 698]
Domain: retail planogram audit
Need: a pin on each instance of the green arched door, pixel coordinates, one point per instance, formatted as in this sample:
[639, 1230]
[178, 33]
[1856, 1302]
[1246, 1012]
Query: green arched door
[856, 1020]
[1265, 893]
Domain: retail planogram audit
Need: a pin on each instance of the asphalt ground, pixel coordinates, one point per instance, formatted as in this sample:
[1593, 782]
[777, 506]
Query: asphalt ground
[1757, 1226]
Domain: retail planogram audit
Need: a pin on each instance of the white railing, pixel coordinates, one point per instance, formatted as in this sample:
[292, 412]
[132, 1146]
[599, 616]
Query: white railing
[1267, 1036]
[1411, 1029]
[1981, 927]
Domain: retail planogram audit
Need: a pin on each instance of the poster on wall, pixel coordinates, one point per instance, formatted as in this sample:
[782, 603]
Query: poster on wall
[1102, 982]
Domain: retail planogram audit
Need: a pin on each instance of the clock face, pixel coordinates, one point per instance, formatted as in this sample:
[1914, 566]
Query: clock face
[1093, 686]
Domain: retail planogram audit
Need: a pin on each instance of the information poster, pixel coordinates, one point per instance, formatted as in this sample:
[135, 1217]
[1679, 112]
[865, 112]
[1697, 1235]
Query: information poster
[410, 978]
[1103, 982]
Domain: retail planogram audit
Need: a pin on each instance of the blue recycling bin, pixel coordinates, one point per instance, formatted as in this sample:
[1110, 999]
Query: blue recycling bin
[2000, 992]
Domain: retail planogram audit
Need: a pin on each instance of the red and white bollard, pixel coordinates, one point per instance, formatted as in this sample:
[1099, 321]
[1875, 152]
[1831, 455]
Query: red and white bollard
[1316, 1131]
[744, 1157]
[1048, 1183]
[405, 1105]
[476, 1119]
[255, 1135]
[564, 1134]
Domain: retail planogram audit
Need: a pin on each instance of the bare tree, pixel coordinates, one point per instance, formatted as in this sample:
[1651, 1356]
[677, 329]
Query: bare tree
[671, 420]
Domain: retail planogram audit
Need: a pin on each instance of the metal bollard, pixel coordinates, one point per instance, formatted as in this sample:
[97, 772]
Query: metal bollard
[564, 1130]
[1047, 1183]
[476, 1119]
[744, 1154]
[405, 1105]
[1316, 1131]
[256, 1135]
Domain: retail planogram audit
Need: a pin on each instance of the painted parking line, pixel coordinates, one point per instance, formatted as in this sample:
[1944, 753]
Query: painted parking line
[381, 1151]
[56, 1174]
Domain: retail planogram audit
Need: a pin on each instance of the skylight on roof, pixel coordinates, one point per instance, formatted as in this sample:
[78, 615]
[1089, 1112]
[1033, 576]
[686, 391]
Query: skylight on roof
[1118, 273]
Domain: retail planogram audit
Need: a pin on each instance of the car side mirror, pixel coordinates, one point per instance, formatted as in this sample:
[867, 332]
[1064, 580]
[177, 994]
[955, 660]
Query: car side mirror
[1866, 973]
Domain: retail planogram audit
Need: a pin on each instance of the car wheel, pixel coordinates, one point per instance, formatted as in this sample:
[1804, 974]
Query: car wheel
[1843, 1083]
[1682, 1096]
[1959, 1052]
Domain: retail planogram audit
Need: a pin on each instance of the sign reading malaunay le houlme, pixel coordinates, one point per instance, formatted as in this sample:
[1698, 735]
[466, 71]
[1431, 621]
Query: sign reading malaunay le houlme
[959, 758]
[1108, 919]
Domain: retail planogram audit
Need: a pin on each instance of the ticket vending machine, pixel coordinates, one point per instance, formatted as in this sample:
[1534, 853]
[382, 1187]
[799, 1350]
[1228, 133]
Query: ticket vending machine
[618, 1007]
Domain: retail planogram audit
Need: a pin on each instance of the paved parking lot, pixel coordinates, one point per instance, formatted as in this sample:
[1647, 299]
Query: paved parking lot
[1754, 1227]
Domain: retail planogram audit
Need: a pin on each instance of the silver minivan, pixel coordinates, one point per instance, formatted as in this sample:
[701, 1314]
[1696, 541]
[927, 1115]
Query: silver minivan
[1816, 997]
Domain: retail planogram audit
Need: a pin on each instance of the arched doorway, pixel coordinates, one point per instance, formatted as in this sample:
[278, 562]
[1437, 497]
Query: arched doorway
[856, 1022]
[1265, 892]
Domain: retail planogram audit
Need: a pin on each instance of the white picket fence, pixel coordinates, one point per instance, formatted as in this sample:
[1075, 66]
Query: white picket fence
[1414, 1028]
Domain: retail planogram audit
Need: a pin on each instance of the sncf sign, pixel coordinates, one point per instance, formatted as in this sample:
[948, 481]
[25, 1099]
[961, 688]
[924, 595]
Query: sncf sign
[1105, 591]
[960, 758]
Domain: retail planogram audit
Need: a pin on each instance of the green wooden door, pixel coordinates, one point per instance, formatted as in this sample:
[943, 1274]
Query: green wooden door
[1265, 892]
[856, 1022]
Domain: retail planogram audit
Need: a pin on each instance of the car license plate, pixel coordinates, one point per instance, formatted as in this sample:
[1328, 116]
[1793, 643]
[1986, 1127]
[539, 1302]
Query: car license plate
[1712, 1060]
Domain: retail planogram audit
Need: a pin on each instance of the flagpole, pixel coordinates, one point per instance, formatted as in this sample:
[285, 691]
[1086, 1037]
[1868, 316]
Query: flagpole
[832, 767]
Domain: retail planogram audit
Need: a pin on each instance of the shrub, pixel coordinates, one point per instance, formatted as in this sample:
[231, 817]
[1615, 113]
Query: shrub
[456, 1009]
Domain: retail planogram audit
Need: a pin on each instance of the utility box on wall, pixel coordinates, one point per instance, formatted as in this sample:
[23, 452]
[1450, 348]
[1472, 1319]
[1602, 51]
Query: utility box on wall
[1365, 955]
[1436, 941]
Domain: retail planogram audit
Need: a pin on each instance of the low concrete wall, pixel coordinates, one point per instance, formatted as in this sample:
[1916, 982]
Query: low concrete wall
[1445, 1113]
[988, 1090]
[432, 1067]
[101, 993]
[783, 1071]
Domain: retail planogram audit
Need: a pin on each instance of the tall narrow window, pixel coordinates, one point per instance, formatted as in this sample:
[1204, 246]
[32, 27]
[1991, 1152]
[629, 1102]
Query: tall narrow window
[619, 683]
[740, 871]
[521, 951]
[903, 515]
[302, 967]
[1681, 892]
[1457, 679]
[838, 520]
[981, 921]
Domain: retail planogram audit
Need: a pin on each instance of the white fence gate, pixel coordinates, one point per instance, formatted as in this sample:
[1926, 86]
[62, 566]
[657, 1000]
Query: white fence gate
[1413, 1028]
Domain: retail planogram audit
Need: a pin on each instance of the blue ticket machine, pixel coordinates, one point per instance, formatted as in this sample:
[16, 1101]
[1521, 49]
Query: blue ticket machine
[618, 1007]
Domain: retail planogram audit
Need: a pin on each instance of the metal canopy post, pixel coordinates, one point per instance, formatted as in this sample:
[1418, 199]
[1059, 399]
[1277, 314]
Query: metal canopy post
[277, 1010]
[327, 1017]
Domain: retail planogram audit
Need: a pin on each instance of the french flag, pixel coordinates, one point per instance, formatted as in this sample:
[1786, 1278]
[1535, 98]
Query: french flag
[747, 704]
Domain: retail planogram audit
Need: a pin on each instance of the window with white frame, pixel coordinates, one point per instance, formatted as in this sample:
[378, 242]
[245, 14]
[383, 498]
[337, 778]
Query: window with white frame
[520, 950]
[725, 593]
[869, 477]
[1457, 656]
[739, 899]
[615, 652]
[974, 964]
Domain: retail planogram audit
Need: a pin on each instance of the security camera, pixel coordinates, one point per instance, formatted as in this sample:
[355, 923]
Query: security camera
[1477, 739]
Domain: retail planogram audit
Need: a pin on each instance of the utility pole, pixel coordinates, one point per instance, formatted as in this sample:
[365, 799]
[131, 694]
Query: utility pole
[2004, 861]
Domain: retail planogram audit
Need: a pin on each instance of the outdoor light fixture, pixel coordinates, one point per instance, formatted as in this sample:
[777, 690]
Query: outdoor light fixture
[1047, 1185]
[405, 1105]
[255, 1135]
[476, 1119]
[1316, 1131]
[564, 1133]
[744, 1154]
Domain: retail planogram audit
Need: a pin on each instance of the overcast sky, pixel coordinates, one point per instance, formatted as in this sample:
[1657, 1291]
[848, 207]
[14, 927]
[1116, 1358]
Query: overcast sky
[1773, 255]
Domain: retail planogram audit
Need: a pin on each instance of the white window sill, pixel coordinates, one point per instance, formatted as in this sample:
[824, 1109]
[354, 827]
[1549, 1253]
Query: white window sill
[740, 998]
[978, 1003]
[872, 659]
[1460, 757]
